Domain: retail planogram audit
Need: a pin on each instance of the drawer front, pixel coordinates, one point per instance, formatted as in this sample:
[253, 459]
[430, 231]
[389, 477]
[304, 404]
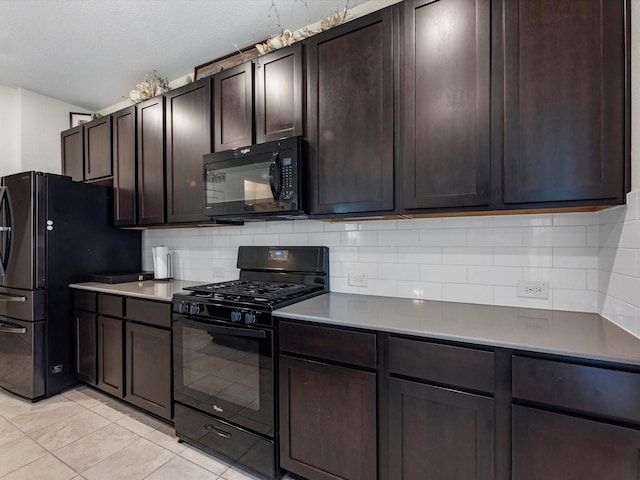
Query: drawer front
[445, 364]
[111, 305]
[84, 300]
[329, 343]
[152, 313]
[599, 391]
[239, 446]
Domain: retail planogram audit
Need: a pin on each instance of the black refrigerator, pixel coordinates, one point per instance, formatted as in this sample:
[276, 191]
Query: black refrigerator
[53, 232]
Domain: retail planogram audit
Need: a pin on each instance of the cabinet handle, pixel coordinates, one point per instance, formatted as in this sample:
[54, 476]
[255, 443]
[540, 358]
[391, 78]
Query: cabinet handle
[217, 431]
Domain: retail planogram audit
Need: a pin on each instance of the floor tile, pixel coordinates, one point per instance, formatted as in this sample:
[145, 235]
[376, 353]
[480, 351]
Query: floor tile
[180, 468]
[133, 462]
[165, 437]
[18, 454]
[46, 413]
[134, 425]
[108, 412]
[209, 462]
[12, 406]
[56, 436]
[82, 397]
[88, 451]
[235, 473]
[9, 433]
[48, 467]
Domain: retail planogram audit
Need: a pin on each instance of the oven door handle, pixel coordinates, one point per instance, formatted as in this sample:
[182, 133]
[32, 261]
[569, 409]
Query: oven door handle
[222, 330]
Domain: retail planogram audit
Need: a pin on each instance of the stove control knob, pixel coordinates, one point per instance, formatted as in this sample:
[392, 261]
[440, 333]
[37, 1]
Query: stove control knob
[194, 309]
[183, 307]
[236, 316]
[249, 318]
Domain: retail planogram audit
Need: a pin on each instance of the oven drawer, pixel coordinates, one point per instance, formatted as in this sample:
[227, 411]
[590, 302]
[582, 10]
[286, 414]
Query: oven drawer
[240, 447]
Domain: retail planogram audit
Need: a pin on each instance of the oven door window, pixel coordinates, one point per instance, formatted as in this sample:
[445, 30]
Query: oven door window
[225, 371]
[240, 187]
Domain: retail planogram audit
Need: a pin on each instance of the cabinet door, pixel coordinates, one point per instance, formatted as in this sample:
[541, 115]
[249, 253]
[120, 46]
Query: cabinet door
[279, 92]
[550, 446]
[148, 365]
[86, 343]
[445, 110]
[72, 142]
[188, 138]
[110, 356]
[564, 100]
[437, 433]
[124, 166]
[151, 199]
[327, 421]
[233, 107]
[350, 116]
[97, 148]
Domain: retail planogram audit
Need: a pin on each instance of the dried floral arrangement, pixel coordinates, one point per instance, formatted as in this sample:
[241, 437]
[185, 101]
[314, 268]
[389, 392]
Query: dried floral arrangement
[287, 37]
[149, 88]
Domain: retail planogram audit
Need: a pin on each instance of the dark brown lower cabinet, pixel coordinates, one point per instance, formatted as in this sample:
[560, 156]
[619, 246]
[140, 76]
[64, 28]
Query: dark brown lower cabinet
[148, 365]
[86, 344]
[437, 433]
[327, 421]
[110, 356]
[552, 446]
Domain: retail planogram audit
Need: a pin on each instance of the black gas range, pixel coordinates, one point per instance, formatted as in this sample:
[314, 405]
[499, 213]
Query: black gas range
[225, 353]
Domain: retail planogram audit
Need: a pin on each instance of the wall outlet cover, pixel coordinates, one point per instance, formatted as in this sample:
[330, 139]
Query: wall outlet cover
[358, 280]
[532, 289]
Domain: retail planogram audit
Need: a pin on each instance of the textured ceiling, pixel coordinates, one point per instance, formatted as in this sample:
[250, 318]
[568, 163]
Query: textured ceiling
[91, 53]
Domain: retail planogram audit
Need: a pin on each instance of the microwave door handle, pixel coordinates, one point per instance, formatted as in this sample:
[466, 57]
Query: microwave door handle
[5, 206]
[274, 176]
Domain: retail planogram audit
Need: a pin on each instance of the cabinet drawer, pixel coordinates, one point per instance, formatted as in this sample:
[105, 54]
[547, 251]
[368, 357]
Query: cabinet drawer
[152, 313]
[599, 391]
[84, 300]
[446, 364]
[334, 344]
[110, 305]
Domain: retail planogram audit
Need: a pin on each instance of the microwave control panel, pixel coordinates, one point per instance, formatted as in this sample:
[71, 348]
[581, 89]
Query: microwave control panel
[288, 179]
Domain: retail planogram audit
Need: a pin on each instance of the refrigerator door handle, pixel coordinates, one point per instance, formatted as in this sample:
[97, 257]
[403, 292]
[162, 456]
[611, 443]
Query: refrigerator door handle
[5, 206]
[5, 297]
[6, 328]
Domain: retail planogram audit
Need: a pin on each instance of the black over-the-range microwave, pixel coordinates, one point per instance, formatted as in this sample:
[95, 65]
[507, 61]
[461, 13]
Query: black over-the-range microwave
[257, 181]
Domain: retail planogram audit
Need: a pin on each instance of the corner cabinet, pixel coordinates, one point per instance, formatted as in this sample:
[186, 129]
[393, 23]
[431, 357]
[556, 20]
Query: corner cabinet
[72, 143]
[188, 138]
[97, 149]
[350, 116]
[151, 162]
[445, 104]
[566, 95]
[328, 426]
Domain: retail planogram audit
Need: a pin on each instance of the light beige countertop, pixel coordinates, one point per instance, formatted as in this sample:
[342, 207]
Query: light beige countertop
[584, 335]
[150, 289]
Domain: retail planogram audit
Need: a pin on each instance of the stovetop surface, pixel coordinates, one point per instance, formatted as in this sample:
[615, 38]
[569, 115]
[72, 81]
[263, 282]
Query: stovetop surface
[253, 291]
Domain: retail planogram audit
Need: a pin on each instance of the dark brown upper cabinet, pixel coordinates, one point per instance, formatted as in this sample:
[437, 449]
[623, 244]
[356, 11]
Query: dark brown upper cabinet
[97, 149]
[565, 102]
[279, 94]
[72, 142]
[124, 166]
[233, 107]
[151, 181]
[445, 106]
[350, 116]
[188, 138]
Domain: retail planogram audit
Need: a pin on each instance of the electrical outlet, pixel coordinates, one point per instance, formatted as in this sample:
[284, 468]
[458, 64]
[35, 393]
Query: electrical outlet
[528, 289]
[358, 280]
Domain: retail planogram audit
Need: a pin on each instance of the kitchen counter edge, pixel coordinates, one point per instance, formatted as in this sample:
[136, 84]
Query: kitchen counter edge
[575, 334]
[149, 289]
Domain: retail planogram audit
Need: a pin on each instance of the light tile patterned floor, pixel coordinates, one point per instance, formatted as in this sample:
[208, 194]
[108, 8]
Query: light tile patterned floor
[84, 434]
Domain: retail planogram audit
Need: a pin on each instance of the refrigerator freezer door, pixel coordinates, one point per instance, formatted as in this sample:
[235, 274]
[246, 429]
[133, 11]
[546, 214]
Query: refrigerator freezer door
[25, 193]
[27, 305]
[22, 364]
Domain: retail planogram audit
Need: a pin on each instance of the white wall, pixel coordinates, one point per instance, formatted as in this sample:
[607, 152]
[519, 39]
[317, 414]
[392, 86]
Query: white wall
[30, 126]
[9, 131]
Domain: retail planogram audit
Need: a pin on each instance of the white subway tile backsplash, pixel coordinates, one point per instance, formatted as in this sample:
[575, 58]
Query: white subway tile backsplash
[591, 260]
[455, 237]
